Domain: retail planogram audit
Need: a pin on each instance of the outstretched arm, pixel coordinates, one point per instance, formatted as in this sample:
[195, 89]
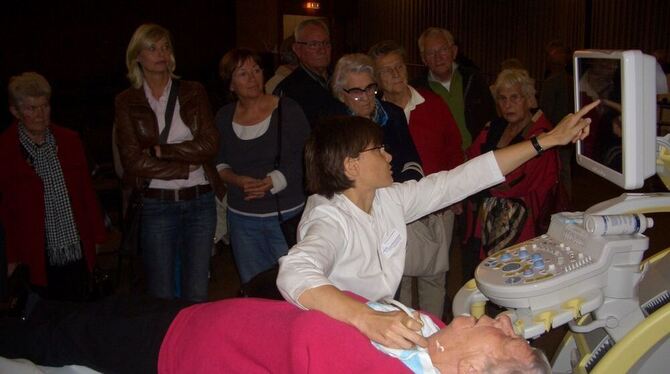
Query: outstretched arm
[571, 129]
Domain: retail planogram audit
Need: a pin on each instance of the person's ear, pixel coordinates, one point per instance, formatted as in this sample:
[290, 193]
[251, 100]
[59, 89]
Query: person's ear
[472, 364]
[295, 47]
[351, 168]
[455, 50]
[15, 112]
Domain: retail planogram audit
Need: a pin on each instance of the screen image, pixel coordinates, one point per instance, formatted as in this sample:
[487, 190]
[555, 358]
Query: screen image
[600, 79]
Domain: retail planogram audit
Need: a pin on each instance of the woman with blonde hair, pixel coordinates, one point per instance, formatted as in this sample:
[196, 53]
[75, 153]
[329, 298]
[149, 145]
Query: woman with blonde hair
[167, 141]
[528, 190]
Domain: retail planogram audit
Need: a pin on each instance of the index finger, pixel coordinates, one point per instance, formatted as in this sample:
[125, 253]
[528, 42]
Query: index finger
[582, 112]
[415, 338]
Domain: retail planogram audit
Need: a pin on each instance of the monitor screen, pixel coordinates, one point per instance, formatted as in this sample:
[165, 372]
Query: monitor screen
[600, 79]
[621, 143]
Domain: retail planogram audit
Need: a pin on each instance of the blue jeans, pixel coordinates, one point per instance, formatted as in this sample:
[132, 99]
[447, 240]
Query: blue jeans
[257, 243]
[186, 228]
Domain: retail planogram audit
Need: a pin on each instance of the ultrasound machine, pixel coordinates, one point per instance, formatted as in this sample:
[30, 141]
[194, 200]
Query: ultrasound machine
[587, 270]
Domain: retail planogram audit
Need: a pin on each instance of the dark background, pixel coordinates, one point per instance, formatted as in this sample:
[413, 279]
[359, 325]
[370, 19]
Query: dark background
[79, 46]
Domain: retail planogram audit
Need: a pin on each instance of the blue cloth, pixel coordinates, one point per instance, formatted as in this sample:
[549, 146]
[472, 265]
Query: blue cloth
[184, 227]
[417, 358]
[257, 242]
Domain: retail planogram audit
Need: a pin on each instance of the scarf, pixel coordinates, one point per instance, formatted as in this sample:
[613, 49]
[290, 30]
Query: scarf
[62, 239]
[379, 116]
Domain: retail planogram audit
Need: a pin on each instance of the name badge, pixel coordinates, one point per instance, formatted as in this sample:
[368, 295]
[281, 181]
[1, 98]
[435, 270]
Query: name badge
[391, 241]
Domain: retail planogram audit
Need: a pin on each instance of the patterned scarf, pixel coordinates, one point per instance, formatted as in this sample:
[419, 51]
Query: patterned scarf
[62, 239]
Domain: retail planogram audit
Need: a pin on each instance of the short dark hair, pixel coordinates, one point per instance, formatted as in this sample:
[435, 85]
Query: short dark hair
[331, 142]
[231, 60]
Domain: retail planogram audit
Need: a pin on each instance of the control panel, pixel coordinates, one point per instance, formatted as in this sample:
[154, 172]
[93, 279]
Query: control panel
[554, 278]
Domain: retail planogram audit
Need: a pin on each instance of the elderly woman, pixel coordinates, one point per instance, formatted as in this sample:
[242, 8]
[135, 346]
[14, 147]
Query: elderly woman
[438, 142]
[352, 234]
[48, 207]
[354, 84]
[264, 176]
[529, 188]
[167, 140]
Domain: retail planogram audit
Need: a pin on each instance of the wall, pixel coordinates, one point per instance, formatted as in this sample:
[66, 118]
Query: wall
[80, 45]
[489, 31]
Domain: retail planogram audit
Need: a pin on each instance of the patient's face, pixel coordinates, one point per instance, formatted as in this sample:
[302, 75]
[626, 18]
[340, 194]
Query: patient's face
[470, 340]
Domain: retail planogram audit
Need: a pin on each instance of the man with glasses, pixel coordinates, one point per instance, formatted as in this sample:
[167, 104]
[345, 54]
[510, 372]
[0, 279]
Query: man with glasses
[309, 83]
[464, 89]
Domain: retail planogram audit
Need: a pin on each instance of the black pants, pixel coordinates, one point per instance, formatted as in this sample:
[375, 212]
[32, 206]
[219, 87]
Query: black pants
[120, 334]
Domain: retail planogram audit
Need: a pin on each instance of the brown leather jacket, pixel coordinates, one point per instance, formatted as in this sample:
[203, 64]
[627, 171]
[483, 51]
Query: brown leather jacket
[137, 133]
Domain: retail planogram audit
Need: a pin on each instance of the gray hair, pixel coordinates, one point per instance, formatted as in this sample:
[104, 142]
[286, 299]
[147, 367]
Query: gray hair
[309, 22]
[347, 64]
[511, 77]
[386, 47]
[435, 31]
[29, 84]
[537, 365]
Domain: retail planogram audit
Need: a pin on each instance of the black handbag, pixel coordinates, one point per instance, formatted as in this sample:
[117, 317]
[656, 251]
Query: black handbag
[289, 227]
[130, 240]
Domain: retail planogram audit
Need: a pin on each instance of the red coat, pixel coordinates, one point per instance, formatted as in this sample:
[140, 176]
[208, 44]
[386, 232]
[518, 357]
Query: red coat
[435, 134]
[535, 182]
[22, 201]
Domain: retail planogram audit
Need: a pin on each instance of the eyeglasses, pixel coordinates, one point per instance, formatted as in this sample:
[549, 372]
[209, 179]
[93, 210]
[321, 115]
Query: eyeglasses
[513, 99]
[381, 148]
[360, 93]
[32, 109]
[315, 44]
[439, 51]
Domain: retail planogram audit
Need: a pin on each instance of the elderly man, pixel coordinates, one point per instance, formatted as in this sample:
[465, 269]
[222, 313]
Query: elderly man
[438, 143]
[309, 83]
[248, 335]
[464, 89]
[48, 207]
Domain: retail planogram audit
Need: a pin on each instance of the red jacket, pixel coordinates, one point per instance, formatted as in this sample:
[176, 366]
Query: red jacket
[22, 201]
[435, 134]
[534, 182]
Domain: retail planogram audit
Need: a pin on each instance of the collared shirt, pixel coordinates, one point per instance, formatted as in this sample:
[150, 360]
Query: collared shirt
[179, 133]
[325, 83]
[341, 245]
[415, 99]
[446, 84]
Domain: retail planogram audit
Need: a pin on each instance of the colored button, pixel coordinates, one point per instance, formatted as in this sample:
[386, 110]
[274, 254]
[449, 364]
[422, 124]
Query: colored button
[512, 266]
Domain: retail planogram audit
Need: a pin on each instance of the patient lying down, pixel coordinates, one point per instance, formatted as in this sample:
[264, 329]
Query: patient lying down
[124, 335]
[468, 345]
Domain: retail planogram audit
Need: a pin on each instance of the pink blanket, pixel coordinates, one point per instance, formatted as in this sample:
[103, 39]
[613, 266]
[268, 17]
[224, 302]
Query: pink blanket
[263, 336]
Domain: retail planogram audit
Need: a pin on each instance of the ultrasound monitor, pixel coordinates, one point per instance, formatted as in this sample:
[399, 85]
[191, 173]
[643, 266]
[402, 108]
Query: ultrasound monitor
[621, 144]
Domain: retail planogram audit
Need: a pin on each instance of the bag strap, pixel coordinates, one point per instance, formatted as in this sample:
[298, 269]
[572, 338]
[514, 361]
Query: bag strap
[169, 111]
[278, 156]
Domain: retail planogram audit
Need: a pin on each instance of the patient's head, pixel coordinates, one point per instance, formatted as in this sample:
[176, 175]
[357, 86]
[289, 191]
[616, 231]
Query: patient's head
[487, 345]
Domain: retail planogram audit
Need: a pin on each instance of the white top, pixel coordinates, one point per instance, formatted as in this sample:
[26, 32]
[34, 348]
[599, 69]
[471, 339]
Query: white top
[415, 99]
[446, 84]
[179, 133]
[249, 132]
[341, 245]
